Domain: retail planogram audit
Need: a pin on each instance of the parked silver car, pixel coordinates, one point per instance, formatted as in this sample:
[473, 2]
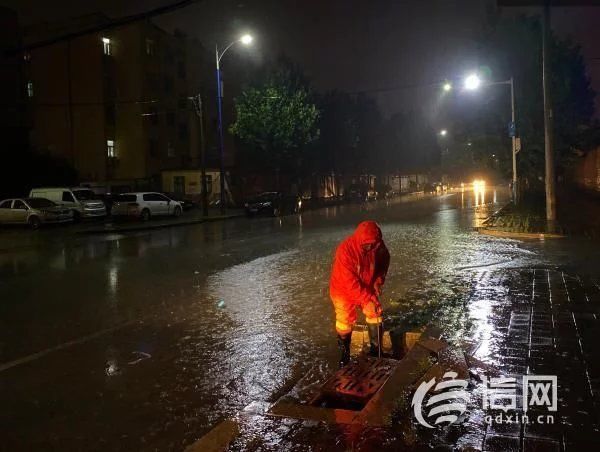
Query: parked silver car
[82, 201]
[145, 205]
[33, 211]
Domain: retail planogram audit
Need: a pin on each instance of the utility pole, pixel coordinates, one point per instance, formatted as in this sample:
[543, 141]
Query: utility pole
[515, 188]
[223, 198]
[204, 189]
[548, 122]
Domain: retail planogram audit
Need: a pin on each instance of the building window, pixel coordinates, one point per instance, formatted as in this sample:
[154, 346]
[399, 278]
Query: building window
[150, 47]
[183, 132]
[168, 85]
[29, 88]
[170, 119]
[110, 148]
[27, 56]
[152, 147]
[107, 43]
[110, 114]
[170, 150]
[181, 70]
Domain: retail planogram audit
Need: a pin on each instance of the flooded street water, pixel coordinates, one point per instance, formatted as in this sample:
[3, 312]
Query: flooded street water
[145, 341]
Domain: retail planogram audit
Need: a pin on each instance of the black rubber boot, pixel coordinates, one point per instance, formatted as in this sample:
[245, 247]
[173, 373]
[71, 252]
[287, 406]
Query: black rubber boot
[375, 338]
[344, 346]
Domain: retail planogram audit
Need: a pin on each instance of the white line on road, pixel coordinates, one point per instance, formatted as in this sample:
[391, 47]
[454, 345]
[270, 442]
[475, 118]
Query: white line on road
[81, 340]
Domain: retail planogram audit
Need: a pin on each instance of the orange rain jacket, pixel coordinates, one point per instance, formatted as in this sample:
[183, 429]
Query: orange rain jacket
[355, 272]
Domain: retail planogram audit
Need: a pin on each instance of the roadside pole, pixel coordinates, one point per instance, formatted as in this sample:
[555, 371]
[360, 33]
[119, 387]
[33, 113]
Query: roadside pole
[515, 190]
[204, 189]
[548, 123]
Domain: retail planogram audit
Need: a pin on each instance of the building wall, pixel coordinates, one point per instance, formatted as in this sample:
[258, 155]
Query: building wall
[587, 172]
[13, 124]
[136, 97]
[192, 183]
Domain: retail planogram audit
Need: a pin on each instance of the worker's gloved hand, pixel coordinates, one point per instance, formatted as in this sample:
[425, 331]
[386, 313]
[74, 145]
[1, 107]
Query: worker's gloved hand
[373, 307]
[377, 288]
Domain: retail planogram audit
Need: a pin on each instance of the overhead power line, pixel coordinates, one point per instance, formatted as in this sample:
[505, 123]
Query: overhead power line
[113, 24]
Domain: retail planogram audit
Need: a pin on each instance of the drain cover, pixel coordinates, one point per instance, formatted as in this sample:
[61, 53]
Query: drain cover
[358, 381]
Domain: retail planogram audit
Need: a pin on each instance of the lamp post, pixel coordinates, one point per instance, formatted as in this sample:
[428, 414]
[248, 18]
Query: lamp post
[473, 82]
[246, 40]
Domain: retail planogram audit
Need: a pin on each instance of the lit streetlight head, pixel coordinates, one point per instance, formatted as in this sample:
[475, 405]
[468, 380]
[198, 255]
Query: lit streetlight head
[443, 132]
[472, 82]
[447, 86]
[246, 39]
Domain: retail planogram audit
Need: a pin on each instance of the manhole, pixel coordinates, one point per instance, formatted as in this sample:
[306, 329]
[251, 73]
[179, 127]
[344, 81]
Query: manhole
[354, 385]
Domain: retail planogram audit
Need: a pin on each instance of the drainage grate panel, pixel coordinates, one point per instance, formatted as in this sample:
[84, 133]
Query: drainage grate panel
[358, 381]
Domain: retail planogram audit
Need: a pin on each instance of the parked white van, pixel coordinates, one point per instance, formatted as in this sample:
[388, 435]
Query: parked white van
[82, 201]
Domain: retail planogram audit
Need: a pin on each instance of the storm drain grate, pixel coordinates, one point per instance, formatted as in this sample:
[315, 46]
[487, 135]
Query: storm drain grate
[356, 383]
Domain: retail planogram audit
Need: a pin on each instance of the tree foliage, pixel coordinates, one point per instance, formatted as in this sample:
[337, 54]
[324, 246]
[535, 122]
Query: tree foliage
[276, 119]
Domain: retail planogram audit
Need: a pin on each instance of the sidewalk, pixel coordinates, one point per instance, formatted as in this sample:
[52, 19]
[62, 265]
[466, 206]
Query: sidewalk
[524, 322]
[190, 217]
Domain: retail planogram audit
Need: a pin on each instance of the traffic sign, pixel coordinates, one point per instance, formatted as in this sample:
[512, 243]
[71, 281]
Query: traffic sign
[512, 129]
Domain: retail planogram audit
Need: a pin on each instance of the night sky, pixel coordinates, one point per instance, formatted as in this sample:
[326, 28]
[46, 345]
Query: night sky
[350, 45]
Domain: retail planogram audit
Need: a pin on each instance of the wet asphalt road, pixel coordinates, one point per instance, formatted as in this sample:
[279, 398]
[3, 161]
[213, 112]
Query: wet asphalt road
[145, 341]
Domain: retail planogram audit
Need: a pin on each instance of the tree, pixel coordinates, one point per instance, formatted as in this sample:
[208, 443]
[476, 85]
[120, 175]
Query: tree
[277, 119]
[350, 140]
[411, 142]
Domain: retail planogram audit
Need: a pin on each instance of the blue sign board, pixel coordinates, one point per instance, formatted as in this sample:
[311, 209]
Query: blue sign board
[512, 130]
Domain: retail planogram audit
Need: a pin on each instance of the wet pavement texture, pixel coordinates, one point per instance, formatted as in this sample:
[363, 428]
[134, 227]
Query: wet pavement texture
[145, 341]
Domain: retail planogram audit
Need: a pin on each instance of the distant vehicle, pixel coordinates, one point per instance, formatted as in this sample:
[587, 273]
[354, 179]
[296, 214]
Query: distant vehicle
[145, 205]
[33, 212]
[273, 203]
[372, 195]
[436, 187]
[360, 193]
[82, 201]
[186, 204]
[430, 188]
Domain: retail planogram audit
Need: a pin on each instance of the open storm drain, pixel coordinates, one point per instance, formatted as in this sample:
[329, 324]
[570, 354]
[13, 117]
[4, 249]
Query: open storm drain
[353, 386]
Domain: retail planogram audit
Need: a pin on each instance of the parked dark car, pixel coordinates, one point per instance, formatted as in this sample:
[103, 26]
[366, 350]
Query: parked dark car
[360, 193]
[186, 203]
[429, 188]
[273, 203]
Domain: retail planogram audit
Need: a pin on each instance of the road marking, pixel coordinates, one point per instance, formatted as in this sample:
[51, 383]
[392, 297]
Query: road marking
[81, 340]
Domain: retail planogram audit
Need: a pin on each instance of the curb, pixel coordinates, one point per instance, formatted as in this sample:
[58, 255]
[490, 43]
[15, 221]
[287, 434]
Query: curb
[520, 235]
[149, 227]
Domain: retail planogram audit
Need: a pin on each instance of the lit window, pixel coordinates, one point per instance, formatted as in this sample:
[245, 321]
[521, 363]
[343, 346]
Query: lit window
[150, 47]
[27, 56]
[107, 43]
[29, 88]
[110, 148]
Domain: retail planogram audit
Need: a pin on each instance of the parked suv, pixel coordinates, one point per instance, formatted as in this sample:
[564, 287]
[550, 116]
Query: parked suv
[33, 211]
[83, 202]
[145, 205]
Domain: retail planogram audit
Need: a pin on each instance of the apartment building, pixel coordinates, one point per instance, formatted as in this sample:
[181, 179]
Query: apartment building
[115, 103]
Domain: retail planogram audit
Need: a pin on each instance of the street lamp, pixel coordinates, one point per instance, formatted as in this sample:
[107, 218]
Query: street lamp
[447, 86]
[246, 40]
[472, 82]
[443, 132]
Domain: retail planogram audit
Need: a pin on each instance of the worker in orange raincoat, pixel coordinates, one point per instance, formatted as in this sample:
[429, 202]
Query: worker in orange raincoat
[359, 269]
